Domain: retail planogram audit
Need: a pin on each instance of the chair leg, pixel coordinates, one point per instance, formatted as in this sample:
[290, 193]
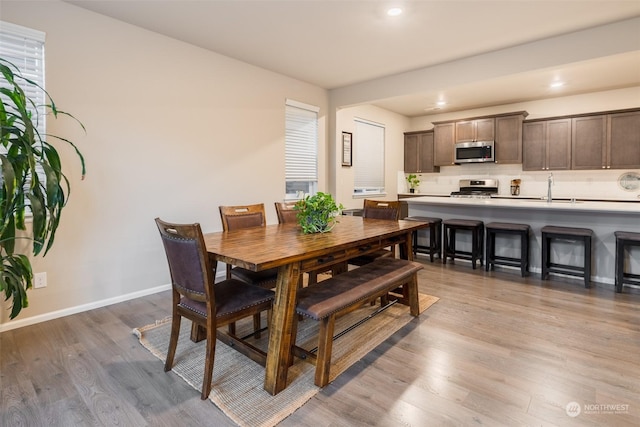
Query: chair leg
[313, 277]
[524, 254]
[232, 328]
[256, 325]
[474, 247]
[198, 332]
[209, 360]
[545, 257]
[489, 251]
[481, 244]
[619, 265]
[173, 342]
[587, 262]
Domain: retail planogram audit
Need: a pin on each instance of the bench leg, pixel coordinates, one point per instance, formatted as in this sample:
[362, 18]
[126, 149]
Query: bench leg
[325, 343]
[412, 295]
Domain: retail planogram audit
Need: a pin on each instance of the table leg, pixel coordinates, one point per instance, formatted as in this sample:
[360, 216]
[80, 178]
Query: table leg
[406, 247]
[281, 327]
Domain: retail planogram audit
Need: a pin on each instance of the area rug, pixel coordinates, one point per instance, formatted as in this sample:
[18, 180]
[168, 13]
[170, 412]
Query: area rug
[238, 381]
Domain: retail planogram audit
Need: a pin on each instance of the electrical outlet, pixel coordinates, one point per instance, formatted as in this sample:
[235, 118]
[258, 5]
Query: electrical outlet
[40, 280]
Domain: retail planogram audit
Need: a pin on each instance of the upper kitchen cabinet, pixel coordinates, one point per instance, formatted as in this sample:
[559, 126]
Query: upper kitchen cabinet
[546, 145]
[589, 142]
[508, 138]
[623, 140]
[419, 152]
[606, 141]
[444, 140]
[475, 130]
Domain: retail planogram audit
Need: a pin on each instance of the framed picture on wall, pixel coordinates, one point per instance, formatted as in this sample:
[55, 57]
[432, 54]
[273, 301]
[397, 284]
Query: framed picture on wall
[347, 149]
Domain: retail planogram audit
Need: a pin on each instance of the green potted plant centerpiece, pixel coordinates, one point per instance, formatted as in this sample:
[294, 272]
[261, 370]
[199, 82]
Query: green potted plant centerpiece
[32, 182]
[317, 213]
[414, 182]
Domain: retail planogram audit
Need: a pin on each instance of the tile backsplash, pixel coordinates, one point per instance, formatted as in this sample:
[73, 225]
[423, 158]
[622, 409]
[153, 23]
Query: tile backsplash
[588, 184]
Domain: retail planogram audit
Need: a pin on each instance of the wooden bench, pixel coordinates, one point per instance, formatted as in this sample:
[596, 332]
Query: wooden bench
[346, 292]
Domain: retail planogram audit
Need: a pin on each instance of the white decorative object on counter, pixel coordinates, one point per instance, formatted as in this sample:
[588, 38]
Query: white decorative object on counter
[629, 181]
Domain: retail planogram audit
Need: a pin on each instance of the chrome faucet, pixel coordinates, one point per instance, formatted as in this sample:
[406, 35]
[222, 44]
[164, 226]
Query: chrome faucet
[549, 184]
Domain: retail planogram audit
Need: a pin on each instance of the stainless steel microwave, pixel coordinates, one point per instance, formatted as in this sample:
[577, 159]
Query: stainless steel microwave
[474, 152]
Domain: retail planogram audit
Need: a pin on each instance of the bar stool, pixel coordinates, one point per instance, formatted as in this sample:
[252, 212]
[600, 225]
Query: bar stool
[476, 227]
[571, 234]
[435, 237]
[522, 230]
[625, 240]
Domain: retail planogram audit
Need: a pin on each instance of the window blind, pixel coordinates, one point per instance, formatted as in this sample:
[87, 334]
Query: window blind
[301, 137]
[368, 151]
[24, 48]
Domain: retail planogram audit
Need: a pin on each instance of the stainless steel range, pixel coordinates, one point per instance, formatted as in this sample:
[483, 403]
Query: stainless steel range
[477, 188]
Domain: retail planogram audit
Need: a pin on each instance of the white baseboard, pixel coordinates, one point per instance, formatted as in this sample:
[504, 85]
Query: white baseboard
[19, 323]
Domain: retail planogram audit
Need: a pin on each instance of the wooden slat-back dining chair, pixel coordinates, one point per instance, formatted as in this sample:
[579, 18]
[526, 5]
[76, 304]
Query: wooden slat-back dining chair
[378, 209]
[236, 218]
[208, 306]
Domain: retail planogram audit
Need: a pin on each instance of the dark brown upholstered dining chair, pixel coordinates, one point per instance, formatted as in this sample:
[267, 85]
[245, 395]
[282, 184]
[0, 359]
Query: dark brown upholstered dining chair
[208, 306]
[378, 209]
[286, 212]
[238, 217]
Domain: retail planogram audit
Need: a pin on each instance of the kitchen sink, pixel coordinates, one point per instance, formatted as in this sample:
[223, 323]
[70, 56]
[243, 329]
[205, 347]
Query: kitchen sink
[557, 201]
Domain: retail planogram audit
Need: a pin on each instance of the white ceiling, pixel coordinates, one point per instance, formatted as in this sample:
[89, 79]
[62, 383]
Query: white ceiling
[335, 43]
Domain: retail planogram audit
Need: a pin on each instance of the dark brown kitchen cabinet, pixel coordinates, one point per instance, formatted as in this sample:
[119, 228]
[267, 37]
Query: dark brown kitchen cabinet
[475, 130]
[589, 142]
[546, 145]
[508, 140]
[443, 139]
[623, 140]
[418, 152]
[606, 141]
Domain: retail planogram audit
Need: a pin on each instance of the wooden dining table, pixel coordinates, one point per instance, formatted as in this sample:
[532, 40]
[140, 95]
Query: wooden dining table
[285, 246]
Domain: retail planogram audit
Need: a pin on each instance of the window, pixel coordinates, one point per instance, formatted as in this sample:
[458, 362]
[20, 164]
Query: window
[368, 158]
[301, 151]
[24, 48]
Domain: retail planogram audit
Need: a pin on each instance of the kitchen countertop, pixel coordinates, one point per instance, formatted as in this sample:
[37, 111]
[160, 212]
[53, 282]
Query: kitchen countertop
[624, 207]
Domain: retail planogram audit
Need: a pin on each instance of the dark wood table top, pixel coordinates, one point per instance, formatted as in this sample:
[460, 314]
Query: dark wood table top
[260, 248]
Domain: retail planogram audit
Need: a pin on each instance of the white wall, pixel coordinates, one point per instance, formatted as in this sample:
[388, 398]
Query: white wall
[395, 125]
[172, 131]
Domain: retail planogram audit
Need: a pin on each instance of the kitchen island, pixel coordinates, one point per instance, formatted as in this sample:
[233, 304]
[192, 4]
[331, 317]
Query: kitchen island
[603, 217]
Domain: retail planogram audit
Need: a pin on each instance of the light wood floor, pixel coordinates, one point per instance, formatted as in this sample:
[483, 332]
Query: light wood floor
[495, 350]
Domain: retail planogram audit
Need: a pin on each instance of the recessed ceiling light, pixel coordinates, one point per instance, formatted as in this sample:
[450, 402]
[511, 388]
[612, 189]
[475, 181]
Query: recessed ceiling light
[556, 84]
[394, 11]
[441, 103]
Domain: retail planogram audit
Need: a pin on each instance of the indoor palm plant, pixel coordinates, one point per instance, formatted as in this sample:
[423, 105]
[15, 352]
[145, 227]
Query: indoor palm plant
[317, 213]
[32, 182]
